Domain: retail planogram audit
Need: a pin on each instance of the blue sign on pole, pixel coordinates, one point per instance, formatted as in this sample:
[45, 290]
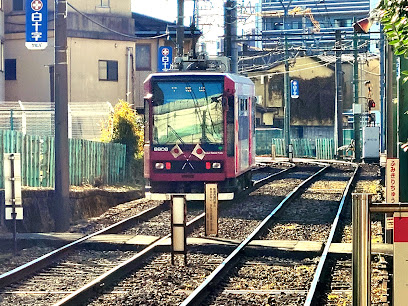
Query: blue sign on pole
[294, 89]
[36, 24]
[165, 58]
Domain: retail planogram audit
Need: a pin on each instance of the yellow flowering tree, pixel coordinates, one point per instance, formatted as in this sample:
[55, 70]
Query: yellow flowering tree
[125, 126]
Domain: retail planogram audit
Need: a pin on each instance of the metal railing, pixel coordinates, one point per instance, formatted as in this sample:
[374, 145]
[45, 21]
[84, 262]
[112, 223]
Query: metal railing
[85, 119]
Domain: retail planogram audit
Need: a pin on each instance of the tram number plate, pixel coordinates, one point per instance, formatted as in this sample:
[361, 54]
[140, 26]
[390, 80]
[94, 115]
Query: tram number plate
[211, 209]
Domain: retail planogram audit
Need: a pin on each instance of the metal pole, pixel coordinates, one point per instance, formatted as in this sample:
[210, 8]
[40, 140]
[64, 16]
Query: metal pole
[180, 28]
[227, 30]
[286, 89]
[286, 95]
[13, 202]
[357, 115]
[338, 114]
[11, 120]
[389, 110]
[361, 257]
[61, 119]
[382, 88]
[230, 33]
[234, 33]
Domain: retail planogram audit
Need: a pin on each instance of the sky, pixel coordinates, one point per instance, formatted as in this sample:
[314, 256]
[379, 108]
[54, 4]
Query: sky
[162, 9]
[210, 22]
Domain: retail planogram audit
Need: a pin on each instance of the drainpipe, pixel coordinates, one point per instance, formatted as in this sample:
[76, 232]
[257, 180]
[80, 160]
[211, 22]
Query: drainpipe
[128, 73]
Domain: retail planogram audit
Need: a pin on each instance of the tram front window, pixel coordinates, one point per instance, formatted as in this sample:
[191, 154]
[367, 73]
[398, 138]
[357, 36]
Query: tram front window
[187, 112]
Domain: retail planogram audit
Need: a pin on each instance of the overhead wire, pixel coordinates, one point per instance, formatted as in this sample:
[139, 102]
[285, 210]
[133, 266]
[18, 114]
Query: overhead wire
[111, 30]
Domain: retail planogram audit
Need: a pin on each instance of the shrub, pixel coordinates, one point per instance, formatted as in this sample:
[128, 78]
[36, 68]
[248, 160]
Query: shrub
[125, 126]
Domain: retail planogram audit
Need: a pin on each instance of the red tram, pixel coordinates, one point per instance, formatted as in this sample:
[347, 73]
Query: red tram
[200, 128]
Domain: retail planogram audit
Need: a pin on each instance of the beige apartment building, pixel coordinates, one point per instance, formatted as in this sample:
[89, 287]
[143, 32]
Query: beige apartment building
[110, 53]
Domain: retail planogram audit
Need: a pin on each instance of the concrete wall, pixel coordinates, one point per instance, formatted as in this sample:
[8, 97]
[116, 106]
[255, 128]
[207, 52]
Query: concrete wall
[33, 78]
[116, 7]
[83, 59]
[39, 207]
[269, 85]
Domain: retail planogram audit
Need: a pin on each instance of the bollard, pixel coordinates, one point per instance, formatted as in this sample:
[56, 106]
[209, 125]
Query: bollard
[361, 256]
[178, 227]
[273, 152]
[290, 152]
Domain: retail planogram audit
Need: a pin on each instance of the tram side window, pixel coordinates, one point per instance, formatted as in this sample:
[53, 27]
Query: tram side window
[243, 123]
[147, 121]
[230, 127]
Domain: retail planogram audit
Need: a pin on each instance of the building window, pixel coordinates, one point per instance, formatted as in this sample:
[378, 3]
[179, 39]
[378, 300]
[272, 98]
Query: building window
[105, 3]
[343, 23]
[10, 69]
[108, 70]
[18, 5]
[143, 57]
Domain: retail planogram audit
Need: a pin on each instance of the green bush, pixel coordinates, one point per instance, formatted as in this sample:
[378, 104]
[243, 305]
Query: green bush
[125, 126]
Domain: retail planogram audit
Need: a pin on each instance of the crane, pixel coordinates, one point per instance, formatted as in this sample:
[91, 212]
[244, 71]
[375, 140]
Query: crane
[306, 12]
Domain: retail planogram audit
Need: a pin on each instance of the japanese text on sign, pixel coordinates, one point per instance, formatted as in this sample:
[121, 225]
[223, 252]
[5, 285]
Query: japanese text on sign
[211, 209]
[165, 58]
[392, 180]
[36, 24]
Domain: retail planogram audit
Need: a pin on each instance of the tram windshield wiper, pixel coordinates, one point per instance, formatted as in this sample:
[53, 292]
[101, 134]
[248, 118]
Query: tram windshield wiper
[176, 134]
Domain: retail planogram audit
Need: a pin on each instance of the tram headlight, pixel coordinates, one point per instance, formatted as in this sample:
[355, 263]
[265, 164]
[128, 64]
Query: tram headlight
[216, 165]
[159, 166]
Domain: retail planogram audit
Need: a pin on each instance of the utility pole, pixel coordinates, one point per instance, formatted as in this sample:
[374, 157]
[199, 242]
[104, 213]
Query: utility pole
[230, 40]
[180, 28]
[338, 106]
[62, 211]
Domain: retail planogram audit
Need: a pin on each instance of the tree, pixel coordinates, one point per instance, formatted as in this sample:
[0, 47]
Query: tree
[394, 17]
[125, 126]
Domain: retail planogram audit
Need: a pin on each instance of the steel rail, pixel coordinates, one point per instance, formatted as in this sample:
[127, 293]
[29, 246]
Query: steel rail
[311, 293]
[199, 294]
[87, 291]
[43, 261]
[267, 179]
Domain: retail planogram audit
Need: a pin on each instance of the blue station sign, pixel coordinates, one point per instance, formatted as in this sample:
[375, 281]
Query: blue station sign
[165, 58]
[36, 24]
[294, 89]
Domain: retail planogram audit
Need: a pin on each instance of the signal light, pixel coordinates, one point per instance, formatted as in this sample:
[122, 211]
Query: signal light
[371, 104]
[208, 165]
[168, 165]
[362, 26]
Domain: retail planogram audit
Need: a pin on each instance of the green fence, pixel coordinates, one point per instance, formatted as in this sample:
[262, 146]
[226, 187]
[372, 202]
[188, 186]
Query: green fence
[89, 161]
[320, 148]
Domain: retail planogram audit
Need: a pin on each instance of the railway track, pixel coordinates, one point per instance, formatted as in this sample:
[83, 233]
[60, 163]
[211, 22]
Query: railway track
[158, 282]
[72, 263]
[253, 273]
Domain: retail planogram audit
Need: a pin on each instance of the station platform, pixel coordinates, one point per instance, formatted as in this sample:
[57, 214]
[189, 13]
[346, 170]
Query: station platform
[144, 240]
